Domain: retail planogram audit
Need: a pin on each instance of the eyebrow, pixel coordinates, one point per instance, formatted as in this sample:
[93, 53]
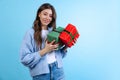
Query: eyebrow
[46, 12]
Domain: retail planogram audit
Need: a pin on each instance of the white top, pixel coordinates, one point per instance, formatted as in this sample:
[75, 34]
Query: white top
[51, 55]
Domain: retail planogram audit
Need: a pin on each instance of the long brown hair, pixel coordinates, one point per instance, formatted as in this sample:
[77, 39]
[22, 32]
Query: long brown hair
[37, 23]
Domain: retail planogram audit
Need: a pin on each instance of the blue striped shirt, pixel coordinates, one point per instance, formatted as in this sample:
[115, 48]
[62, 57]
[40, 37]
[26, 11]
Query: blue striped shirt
[30, 56]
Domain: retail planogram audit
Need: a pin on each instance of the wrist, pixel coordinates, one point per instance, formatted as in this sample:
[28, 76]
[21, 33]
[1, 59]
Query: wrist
[43, 51]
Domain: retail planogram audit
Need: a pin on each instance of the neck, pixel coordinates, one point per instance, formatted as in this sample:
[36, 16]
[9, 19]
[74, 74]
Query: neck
[44, 27]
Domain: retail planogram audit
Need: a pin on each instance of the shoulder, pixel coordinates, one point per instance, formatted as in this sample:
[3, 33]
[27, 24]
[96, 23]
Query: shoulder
[29, 33]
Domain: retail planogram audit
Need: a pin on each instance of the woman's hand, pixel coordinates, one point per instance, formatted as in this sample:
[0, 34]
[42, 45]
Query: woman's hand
[48, 47]
[65, 48]
[74, 41]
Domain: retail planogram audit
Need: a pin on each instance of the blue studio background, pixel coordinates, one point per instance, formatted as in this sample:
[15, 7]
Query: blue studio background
[95, 56]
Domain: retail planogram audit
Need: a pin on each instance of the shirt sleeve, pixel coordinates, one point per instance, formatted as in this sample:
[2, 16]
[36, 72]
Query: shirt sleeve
[63, 52]
[28, 56]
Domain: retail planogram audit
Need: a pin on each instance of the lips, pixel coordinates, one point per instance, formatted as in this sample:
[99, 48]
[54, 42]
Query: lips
[46, 21]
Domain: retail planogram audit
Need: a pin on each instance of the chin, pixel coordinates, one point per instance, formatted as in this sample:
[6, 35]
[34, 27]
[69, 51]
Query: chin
[45, 24]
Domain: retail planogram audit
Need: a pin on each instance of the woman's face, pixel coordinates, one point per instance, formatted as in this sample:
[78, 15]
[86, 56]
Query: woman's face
[45, 17]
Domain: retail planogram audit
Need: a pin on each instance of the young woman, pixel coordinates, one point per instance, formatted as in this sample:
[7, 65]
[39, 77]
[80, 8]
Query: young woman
[41, 57]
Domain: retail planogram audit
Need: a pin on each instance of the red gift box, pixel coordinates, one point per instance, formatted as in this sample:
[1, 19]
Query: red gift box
[69, 35]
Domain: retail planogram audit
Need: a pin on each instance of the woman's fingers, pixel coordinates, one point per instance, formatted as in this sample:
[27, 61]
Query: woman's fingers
[52, 42]
[46, 41]
[56, 45]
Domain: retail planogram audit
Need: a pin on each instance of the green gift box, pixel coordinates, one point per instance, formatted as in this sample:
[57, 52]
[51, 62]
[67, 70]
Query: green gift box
[54, 35]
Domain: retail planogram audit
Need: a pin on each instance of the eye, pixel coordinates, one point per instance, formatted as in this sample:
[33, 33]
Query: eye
[45, 14]
[50, 16]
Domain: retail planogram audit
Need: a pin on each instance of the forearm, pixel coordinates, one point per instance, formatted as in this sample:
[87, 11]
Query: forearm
[42, 52]
[30, 59]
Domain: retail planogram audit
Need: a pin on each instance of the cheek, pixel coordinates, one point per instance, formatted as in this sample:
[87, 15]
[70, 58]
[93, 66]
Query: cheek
[50, 19]
[41, 18]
